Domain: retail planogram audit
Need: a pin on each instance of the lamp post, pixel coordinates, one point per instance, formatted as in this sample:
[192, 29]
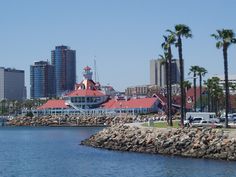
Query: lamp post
[120, 108]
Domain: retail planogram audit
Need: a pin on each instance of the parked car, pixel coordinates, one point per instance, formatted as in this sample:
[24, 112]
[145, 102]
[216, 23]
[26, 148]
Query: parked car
[231, 118]
[201, 122]
[188, 122]
[205, 123]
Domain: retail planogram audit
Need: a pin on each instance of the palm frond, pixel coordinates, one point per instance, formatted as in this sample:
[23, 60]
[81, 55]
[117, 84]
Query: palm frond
[183, 30]
[220, 33]
[219, 44]
[161, 57]
[201, 71]
[171, 32]
[215, 36]
[233, 41]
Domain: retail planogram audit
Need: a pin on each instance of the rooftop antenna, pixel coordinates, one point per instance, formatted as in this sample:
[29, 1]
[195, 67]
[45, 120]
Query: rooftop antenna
[96, 76]
[95, 69]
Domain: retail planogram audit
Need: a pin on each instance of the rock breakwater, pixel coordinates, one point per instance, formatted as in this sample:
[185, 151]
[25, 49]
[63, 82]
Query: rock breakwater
[187, 142]
[75, 120]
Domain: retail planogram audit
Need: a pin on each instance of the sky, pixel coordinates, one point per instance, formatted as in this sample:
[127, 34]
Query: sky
[122, 35]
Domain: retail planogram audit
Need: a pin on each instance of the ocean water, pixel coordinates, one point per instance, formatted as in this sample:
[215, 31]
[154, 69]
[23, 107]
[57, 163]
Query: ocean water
[56, 152]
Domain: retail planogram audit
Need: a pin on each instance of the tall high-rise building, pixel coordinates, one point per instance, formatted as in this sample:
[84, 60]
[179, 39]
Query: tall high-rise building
[12, 84]
[64, 62]
[175, 71]
[42, 80]
[158, 72]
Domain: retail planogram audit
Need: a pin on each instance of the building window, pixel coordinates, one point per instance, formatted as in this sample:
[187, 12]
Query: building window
[82, 99]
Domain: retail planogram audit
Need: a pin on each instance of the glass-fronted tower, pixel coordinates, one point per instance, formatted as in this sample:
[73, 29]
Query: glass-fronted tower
[64, 62]
[42, 80]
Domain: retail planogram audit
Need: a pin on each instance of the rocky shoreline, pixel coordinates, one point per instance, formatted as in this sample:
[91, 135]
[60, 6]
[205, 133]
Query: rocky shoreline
[75, 120]
[188, 142]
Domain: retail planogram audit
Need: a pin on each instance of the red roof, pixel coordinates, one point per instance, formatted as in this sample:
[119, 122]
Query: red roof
[190, 96]
[232, 101]
[85, 93]
[162, 98]
[87, 68]
[52, 104]
[133, 103]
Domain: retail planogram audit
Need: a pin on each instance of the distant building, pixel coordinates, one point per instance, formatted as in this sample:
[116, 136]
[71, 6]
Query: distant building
[231, 78]
[140, 90]
[158, 72]
[64, 62]
[42, 80]
[12, 84]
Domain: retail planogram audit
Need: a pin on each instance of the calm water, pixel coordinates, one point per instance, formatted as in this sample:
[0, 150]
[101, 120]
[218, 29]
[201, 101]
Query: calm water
[55, 152]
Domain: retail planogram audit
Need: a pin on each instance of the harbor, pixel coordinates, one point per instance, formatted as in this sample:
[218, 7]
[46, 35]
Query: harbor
[25, 151]
[118, 88]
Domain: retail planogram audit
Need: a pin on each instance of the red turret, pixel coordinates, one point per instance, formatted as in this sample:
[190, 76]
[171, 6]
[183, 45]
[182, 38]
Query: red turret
[87, 68]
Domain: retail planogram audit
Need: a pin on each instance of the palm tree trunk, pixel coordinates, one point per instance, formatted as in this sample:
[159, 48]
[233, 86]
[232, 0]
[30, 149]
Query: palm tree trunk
[170, 87]
[167, 90]
[212, 104]
[181, 78]
[215, 102]
[200, 84]
[184, 99]
[226, 85]
[195, 91]
[208, 101]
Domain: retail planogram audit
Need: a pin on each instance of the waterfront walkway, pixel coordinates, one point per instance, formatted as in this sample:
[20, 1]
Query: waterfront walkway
[231, 132]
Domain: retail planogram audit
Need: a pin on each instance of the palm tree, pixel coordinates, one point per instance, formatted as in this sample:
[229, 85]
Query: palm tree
[201, 72]
[4, 106]
[232, 86]
[208, 84]
[225, 38]
[186, 85]
[215, 94]
[181, 30]
[166, 45]
[164, 61]
[194, 70]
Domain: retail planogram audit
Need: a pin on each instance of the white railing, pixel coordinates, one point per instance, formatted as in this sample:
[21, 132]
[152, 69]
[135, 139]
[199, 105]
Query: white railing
[75, 107]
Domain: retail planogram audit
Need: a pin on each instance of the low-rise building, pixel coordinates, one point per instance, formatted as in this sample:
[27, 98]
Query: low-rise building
[140, 90]
[89, 98]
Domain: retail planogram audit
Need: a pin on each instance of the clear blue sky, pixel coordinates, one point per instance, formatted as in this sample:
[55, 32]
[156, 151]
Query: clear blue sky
[123, 34]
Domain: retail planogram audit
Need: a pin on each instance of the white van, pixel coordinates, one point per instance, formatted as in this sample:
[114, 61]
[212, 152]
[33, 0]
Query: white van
[208, 116]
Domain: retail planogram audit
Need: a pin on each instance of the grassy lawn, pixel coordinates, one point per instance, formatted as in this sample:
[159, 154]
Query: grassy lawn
[163, 124]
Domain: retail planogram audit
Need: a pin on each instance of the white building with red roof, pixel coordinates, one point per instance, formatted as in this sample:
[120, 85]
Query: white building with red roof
[87, 94]
[90, 99]
[134, 106]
